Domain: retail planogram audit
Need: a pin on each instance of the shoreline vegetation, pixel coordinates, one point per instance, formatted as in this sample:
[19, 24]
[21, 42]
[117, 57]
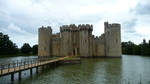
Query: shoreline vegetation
[10, 49]
[130, 48]
[17, 55]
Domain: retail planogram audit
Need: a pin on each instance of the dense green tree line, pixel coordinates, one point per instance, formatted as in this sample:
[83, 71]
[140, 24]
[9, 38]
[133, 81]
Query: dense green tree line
[7, 47]
[134, 49]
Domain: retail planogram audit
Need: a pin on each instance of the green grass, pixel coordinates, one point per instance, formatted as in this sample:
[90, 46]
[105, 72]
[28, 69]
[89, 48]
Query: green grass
[72, 58]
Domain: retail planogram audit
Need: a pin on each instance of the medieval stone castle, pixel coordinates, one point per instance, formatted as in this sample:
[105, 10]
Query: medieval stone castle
[79, 41]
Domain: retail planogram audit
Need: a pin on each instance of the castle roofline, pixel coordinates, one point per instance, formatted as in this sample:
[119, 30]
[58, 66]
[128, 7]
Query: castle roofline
[112, 25]
[45, 28]
[73, 27]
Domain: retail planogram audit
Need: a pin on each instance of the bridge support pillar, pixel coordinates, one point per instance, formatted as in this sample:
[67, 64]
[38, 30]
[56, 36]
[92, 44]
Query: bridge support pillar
[42, 67]
[31, 71]
[12, 76]
[37, 70]
[55, 64]
[49, 65]
[19, 75]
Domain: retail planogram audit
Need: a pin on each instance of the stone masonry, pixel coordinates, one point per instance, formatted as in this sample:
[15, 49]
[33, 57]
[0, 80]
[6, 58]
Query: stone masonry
[78, 41]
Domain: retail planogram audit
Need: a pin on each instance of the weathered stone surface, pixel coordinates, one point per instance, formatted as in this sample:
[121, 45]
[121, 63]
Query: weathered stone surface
[78, 41]
[45, 41]
[112, 39]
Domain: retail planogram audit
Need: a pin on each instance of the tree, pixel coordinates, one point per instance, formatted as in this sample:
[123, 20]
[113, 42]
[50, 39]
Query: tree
[35, 49]
[7, 46]
[144, 41]
[25, 49]
[133, 49]
[149, 42]
[128, 47]
[144, 48]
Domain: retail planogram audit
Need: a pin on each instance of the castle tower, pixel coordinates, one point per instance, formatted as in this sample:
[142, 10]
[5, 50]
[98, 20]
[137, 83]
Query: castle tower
[45, 41]
[65, 40]
[112, 39]
[74, 40]
[85, 32]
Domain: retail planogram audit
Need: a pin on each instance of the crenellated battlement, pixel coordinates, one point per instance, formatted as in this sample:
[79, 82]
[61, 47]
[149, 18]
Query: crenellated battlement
[69, 28]
[74, 28]
[96, 38]
[85, 27]
[110, 27]
[113, 25]
[45, 28]
[99, 37]
[57, 35]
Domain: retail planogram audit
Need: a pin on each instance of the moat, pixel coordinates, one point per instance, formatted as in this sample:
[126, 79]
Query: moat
[133, 69]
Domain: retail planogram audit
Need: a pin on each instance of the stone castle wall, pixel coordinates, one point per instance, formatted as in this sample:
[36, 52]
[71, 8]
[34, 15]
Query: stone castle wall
[78, 41]
[112, 39]
[45, 41]
[56, 44]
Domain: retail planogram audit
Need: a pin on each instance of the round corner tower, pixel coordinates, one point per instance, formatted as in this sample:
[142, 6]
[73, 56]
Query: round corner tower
[112, 39]
[45, 41]
[85, 33]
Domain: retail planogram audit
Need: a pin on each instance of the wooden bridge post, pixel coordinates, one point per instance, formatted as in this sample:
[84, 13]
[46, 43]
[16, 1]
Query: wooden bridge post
[8, 67]
[19, 75]
[28, 63]
[31, 63]
[1, 69]
[36, 62]
[12, 76]
[42, 67]
[31, 71]
[24, 64]
[48, 66]
[14, 66]
[37, 71]
[17, 63]
[55, 64]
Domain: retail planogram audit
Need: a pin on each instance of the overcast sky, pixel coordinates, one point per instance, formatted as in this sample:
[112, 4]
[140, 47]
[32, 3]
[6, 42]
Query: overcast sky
[20, 19]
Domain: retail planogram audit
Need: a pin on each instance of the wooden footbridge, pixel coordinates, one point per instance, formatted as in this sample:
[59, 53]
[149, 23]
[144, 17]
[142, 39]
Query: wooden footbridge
[12, 68]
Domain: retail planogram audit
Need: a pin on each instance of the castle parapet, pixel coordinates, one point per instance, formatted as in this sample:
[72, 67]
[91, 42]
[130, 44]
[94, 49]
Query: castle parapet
[109, 27]
[74, 28]
[113, 25]
[45, 28]
[69, 28]
[85, 27]
[64, 28]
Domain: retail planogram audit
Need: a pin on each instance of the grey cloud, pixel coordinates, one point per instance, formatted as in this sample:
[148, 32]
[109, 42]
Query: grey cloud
[88, 18]
[129, 26]
[142, 8]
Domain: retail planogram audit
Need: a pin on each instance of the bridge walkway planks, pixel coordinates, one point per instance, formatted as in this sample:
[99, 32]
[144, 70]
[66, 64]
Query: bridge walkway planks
[32, 64]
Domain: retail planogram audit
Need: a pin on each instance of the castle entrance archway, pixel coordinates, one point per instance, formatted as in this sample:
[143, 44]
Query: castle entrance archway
[75, 51]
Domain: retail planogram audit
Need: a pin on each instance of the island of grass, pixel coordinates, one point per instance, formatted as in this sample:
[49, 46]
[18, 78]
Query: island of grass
[71, 60]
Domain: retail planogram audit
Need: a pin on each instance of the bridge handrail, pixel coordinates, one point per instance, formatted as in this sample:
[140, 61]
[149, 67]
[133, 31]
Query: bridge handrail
[21, 63]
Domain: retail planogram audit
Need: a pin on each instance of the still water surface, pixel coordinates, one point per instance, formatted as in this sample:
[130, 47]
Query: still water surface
[128, 69]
